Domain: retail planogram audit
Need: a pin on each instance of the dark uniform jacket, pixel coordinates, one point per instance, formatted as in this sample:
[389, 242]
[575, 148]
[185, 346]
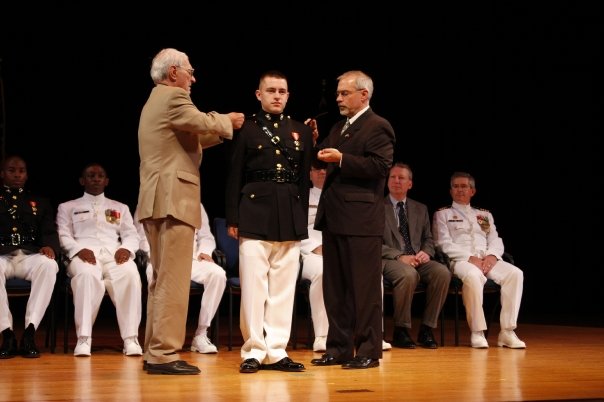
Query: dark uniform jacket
[26, 222]
[267, 193]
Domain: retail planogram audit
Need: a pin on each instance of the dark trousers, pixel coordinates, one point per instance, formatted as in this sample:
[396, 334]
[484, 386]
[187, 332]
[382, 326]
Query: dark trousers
[352, 289]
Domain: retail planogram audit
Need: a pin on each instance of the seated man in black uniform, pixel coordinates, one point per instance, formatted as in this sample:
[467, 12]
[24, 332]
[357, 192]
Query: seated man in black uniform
[28, 246]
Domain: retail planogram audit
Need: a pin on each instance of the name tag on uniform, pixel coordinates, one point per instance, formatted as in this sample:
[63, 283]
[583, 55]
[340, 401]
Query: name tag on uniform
[455, 220]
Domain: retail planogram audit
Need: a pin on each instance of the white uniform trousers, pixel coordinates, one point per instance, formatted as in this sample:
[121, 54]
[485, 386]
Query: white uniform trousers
[312, 269]
[123, 284]
[41, 271]
[268, 271]
[508, 276]
[213, 279]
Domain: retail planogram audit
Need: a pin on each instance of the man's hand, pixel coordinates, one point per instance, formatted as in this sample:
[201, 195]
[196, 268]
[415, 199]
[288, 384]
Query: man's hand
[233, 232]
[48, 251]
[312, 123]
[121, 256]
[204, 257]
[87, 255]
[237, 120]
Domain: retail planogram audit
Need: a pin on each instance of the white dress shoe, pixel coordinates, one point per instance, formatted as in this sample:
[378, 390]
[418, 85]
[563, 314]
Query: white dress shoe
[320, 344]
[386, 345]
[509, 339]
[83, 346]
[201, 344]
[132, 347]
[478, 340]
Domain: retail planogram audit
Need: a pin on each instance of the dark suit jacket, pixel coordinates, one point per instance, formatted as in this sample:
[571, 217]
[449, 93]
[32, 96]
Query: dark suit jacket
[351, 200]
[33, 217]
[419, 230]
[269, 210]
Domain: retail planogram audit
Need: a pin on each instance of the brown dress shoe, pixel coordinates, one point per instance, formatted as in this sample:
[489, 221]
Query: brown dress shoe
[178, 367]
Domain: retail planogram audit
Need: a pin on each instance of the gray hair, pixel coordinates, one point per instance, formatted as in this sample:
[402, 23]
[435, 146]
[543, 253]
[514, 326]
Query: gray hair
[464, 175]
[162, 62]
[361, 81]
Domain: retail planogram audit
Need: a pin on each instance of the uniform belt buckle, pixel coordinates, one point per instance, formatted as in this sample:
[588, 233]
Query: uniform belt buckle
[15, 239]
[280, 176]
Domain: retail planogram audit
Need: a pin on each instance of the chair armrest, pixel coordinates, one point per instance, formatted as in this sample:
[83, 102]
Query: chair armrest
[220, 258]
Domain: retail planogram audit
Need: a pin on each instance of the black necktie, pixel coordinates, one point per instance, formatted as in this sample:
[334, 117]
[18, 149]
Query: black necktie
[404, 228]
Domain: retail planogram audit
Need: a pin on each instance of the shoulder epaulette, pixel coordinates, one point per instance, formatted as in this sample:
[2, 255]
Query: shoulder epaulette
[443, 208]
[482, 209]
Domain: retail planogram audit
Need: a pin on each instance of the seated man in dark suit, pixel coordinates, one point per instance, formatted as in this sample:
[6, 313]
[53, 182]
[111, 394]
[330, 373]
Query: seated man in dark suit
[407, 259]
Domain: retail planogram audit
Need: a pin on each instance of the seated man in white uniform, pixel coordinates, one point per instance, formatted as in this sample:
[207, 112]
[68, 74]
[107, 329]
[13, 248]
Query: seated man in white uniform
[98, 235]
[203, 271]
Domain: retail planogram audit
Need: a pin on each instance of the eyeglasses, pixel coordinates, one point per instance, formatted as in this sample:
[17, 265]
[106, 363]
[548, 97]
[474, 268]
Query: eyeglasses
[191, 71]
[345, 93]
[461, 186]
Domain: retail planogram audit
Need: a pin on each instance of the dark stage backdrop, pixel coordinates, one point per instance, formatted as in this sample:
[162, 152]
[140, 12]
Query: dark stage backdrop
[510, 93]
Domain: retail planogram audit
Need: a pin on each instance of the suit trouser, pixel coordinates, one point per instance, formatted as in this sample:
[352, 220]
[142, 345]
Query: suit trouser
[41, 271]
[268, 271]
[352, 288]
[123, 284]
[171, 244]
[508, 276]
[312, 269]
[213, 279]
[405, 278]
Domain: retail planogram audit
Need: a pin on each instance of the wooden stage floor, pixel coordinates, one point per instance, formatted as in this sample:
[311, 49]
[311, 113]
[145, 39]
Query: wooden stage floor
[560, 363]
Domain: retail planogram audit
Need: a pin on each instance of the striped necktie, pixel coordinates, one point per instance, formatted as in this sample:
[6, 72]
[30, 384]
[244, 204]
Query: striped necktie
[346, 125]
[404, 228]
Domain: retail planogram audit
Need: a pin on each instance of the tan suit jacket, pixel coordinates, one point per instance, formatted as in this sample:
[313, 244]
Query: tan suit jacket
[171, 135]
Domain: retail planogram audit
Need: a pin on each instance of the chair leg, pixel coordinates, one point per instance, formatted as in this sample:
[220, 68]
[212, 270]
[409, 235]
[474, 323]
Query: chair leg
[294, 330]
[457, 317]
[66, 321]
[442, 327]
[230, 341]
[53, 325]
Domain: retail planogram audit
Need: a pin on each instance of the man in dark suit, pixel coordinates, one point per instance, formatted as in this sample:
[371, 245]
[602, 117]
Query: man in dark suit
[267, 210]
[350, 214]
[29, 245]
[406, 262]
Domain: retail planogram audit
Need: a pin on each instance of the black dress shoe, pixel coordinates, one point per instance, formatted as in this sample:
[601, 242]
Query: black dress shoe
[426, 339]
[285, 364]
[401, 338]
[249, 366]
[28, 348]
[178, 367]
[326, 360]
[9, 345]
[360, 362]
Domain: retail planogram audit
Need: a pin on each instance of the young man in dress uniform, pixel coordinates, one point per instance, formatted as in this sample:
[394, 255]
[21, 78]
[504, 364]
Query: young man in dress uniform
[267, 209]
[468, 236]
[28, 248]
[99, 237]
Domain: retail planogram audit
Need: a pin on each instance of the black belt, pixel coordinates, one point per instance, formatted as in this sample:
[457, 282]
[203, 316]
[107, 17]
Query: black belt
[16, 239]
[276, 175]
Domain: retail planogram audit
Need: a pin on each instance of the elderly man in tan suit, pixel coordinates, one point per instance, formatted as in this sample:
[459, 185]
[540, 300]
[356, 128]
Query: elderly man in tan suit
[171, 135]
